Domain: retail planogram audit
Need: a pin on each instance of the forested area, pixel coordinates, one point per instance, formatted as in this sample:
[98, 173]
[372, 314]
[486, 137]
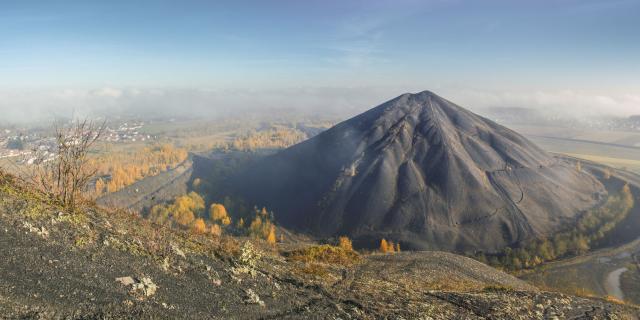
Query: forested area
[116, 170]
[273, 138]
[190, 212]
[589, 229]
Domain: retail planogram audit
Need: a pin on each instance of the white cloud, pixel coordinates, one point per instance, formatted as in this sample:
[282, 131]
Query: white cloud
[34, 105]
[564, 102]
[108, 92]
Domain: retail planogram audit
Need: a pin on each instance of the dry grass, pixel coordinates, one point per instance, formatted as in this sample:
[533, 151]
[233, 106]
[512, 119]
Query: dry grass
[326, 254]
[313, 269]
[570, 290]
[119, 229]
[613, 299]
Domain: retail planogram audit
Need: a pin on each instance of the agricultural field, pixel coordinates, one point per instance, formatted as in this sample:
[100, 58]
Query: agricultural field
[623, 138]
[618, 149]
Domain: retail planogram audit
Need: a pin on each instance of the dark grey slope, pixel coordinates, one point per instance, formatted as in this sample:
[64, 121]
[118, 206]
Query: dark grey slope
[424, 171]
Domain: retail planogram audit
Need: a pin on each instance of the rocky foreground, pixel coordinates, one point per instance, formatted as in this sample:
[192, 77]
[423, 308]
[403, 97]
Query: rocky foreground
[97, 264]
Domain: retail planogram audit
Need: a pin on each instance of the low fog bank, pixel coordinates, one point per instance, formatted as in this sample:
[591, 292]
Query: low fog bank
[29, 106]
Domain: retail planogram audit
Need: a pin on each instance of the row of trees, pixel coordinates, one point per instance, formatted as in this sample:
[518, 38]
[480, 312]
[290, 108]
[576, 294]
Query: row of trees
[277, 137]
[590, 228]
[125, 168]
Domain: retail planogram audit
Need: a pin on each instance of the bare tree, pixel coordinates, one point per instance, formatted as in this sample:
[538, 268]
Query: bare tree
[64, 171]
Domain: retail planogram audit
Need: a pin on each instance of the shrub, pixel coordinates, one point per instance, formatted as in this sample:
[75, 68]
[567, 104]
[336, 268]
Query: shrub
[215, 230]
[326, 254]
[248, 259]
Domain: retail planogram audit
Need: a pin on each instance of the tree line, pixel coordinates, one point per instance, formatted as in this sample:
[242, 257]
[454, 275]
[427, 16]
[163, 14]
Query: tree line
[276, 137]
[117, 170]
[188, 212]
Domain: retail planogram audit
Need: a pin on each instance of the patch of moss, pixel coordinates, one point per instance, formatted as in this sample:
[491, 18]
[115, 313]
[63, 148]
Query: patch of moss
[36, 210]
[74, 219]
[85, 239]
[131, 247]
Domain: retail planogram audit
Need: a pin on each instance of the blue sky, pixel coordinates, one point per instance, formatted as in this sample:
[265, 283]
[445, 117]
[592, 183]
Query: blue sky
[486, 47]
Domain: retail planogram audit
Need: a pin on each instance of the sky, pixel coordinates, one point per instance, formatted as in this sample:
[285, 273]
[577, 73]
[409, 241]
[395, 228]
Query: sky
[205, 55]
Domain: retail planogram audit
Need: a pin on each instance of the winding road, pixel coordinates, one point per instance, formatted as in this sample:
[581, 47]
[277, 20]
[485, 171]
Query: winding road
[612, 283]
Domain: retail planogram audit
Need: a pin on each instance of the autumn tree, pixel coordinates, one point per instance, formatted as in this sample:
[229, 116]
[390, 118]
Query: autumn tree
[199, 226]
[391, 248]
[183, 217]
[218, 213]
[197, 203]
[67, 175]
[271, 238]
[255, 228]
[384, 246]
[261, 225]
[345, 243]
[186, 208]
